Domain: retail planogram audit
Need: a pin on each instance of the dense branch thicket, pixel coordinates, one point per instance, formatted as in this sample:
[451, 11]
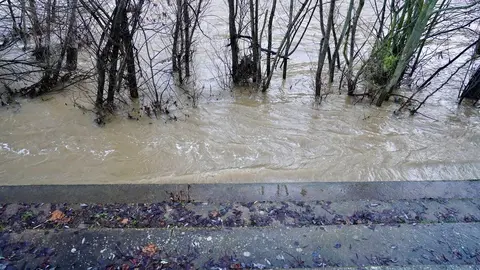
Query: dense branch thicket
[145, 49]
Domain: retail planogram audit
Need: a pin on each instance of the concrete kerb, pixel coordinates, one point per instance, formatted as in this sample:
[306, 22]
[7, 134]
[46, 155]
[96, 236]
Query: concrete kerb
[215, 193]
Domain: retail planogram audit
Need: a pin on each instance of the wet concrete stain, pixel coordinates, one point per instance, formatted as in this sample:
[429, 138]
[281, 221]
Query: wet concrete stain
[247, 235]
[18, 217]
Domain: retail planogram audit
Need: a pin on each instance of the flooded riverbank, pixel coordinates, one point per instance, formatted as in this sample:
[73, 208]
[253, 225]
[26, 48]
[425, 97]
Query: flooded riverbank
[239, 135]
[243, 138]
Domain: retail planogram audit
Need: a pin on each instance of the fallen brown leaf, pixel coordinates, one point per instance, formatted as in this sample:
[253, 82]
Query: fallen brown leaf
[59, 217]
[150, 249]
[214, 214]
[124, 221]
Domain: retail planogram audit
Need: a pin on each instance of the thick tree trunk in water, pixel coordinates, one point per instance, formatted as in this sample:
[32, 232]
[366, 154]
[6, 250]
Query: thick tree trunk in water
[176, 32]
[407, 52]
[269, 34]
[254, 34]
[48, 19]
[37, 30]
[53, 16]
[111, 50]
[258, 47]
[350, 81]
[180, 55]
[323, 49]
[186, 24]
[72, 44]
[101, 70]
[233, 39]
[23, 21]
[129, 58]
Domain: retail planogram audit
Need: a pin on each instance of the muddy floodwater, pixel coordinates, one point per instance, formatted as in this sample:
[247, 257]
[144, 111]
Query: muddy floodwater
[245, 138]
[242, 136]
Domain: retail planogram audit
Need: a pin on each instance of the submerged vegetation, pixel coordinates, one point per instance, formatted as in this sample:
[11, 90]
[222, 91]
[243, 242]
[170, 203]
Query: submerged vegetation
[143, 52]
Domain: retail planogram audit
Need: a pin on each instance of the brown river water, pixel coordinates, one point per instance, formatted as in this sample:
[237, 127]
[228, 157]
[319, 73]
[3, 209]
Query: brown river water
[242, 136]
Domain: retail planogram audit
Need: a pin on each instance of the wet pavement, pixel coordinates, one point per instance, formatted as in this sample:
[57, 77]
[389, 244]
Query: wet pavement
[436, 227]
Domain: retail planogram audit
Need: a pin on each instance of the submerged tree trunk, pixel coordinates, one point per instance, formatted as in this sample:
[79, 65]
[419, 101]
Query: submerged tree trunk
[258, 43]
[23, 20]
[37, 30]
[350, 81]
[233, 39]
[127, 38]
[408, 50]
[48, 33]
[72, 44]
[340, 38]
[176, 33]
[101, 70]
[269, 35]
[186, 24]
[115, 37]
[254, 34]
[323, 49]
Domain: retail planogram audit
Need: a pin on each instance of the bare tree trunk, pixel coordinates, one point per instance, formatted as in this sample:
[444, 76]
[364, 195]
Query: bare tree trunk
[113, 57]
[24, 24]
[12, 15]
[101, 70]
[233, 39]
[422, 44]
[382, 20]
[254, 34]
[340, 39]
[72, 44]
[53, 16]
[269, 35]
[37, 30]
[69, 45]
[181, 54]
[186, 22]
[266, 81]
[127, 38]
[350, 80]
[287, 48]
[178, 25]
[48, 33]
[258, 46]
[408, 50]
[323, 49]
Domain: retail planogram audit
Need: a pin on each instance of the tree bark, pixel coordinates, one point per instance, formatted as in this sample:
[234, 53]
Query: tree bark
[12, 15]
[233, 40]
[37, 30]
[408, 50]
[324, 49]
[254, 34]
[269, 35]
[258, 69]
[72, 44]
[113, 57]
[289, 42]
[130, 57]
[186, 24]
[350, 81]
[176, 32]
[24, 24]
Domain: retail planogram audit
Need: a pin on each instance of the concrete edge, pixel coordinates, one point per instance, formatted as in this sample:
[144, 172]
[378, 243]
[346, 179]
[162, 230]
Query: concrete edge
[218, 193]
